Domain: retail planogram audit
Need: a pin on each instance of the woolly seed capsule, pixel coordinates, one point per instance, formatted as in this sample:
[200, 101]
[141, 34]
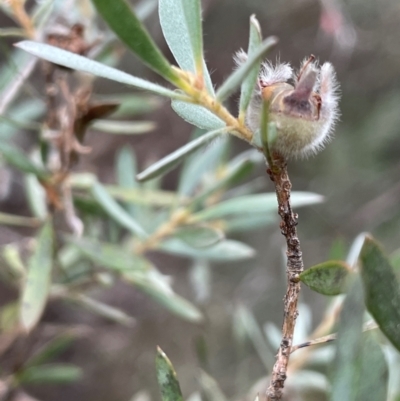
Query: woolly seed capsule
[304, 107]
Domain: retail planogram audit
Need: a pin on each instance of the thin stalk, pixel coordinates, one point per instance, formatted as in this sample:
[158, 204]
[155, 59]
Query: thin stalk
[279, 175]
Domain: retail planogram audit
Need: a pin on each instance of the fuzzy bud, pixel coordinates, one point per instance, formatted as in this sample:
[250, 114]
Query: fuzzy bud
[304, 107]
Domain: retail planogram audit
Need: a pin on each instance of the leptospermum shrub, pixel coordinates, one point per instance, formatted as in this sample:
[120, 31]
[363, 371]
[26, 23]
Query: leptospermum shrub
[281, 115]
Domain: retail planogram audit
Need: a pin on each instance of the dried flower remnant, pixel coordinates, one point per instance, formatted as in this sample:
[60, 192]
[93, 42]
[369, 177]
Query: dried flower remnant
[303, 106]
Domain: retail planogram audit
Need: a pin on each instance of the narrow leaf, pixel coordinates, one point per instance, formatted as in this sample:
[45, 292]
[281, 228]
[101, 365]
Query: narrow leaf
[122, 20]
[249, 82]
[258, 203]
[115, 211]
[19, 160]
[197, 115]
[237, 77]
[110, 256]
[36, 196]
[74, 61]
[328, 278]
[227, 250]
[37, 285]
[56, 373]
[382, 290]
[169, 162]
[157, 286]
[167, 379]
[199, 236]
[123, 127]
[346, 369]
[14, 220]
[126, 171]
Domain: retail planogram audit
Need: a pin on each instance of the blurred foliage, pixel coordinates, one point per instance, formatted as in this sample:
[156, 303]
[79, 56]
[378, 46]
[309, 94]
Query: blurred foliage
[69, 237]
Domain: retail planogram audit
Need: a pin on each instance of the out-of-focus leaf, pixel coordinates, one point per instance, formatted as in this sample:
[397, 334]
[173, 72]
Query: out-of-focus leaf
[143, 196]
[210, 388]
[57, 373]
[237, 77]
[328, 278]
[227, 250]
[157, 286]
[200, 280]
[337, 250]
[36, 289]
[249, 222]
[11, 255]
[74, 61]
[169, 162]
[249, 82]
[17, 159]
[123, 21]
[254, 333]
[395, 260]
[51, 350]
[197, 115]
[5, 32]
[382, 290]
[167, 379]
[199, 236]
[346, 370]
[14, 220]
[102, 309]
[374, 374]
[111, 256]
[126, 171]
[199, 164]
[132, 105]
[258, 203]
[115, 211]
[273, 334]
[9, 317]
[123, 127]
[36, 196]
[355, 249]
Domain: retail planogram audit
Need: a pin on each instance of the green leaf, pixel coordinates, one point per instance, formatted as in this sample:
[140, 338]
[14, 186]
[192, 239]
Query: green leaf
[14, 220]
[382, 290]
[167, 379]
[123, 127]
[122, 20]
[328, 278]
[227, 250]
[51, 349]
[157, 286]
[115, 211]
[132, 105]
[252, 204]
[102, 309]
[210, 388]
[248, 222]
[19, 160]
[169, 162]
[237, 77]
[197, 115]
[199, 236]
[110, 256]
[249, 82]
[36, 289]
[346, 372]
[36, 196]
[57, 373]
[74, 61]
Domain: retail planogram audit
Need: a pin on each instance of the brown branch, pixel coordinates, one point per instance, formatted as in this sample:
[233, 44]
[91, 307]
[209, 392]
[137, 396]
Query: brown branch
[279, 175]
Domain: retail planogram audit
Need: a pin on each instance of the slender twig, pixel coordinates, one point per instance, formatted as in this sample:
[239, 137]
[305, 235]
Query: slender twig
[279, 175]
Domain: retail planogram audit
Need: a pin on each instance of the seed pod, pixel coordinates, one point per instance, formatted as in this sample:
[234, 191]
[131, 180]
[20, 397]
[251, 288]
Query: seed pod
[304, 107]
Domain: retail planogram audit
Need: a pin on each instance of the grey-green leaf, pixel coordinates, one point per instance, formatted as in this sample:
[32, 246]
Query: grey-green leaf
[76, 62]
[237, 77]
[227, 250]
[123, 127]
[57, 373]
[115, 211]
[199, 236]
[37, 285]
[382, 290]
[169, 162]
[249, 82]
[167, 379]
[258, 203]
[328, 278]
[19, 160]
[123, 21]
[110, 256]
[197, 115]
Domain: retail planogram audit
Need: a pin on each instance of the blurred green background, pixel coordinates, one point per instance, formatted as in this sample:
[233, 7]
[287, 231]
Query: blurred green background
[358, 174]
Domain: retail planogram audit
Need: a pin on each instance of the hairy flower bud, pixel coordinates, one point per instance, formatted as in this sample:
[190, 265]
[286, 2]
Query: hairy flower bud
[303, 106]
